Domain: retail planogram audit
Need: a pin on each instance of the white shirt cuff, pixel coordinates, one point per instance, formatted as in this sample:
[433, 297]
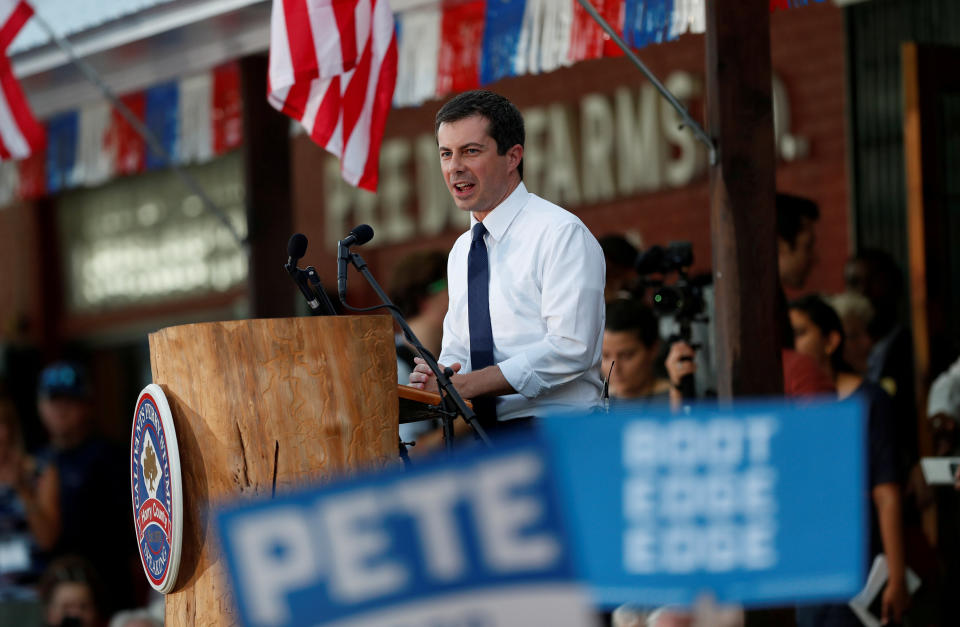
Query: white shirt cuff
[521, 376]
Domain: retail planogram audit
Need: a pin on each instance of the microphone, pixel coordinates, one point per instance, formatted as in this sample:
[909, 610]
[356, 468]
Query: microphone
[358, 236]
[296, 249]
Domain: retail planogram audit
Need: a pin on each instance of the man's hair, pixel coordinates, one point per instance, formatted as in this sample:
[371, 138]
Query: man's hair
[505, 120]
[882, 264]
[415, 277]
[71, 569]
[616, 249]
[826, 319]
[791, 211]
[628, 314]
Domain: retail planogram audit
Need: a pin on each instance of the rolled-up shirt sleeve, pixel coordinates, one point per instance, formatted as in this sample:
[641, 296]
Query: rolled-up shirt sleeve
[572, 309]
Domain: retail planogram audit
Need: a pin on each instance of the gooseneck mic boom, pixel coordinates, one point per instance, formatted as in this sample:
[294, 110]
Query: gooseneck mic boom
[319, 305]
[357, 237]
[452, 402]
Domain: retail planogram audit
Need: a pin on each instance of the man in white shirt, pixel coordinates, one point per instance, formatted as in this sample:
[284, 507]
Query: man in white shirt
[525, 321]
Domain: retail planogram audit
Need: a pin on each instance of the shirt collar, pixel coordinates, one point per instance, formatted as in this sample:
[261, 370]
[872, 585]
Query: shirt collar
[499, 219]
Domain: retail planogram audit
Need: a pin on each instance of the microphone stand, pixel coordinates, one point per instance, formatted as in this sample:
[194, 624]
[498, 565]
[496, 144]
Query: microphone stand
[452, 397]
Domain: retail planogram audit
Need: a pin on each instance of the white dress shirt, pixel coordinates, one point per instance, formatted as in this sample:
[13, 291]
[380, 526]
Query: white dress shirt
[546, 306]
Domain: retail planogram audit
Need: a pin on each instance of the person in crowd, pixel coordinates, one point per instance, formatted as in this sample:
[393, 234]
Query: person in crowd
[620, 257]
[856, 313]
[818, 334]
[71, 593]
[796, 257]
[943, 412]
[524, 328]
[29, 510]
[94, 481]
[631, 347]
[875, 274]
[796, 239]
[418, 287]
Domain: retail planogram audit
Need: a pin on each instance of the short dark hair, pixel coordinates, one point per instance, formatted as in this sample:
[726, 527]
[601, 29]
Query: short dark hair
[505, 120]
[791, 211]
[71, 569]
[827, 320]
[629, 314]
[415, 277]
[618, 250]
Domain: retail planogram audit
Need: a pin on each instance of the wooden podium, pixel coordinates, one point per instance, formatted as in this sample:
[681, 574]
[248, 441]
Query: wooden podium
[271, 404]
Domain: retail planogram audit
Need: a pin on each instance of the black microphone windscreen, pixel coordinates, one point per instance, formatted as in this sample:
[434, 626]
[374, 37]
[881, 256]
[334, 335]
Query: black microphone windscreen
[363, 233]
[297, 246]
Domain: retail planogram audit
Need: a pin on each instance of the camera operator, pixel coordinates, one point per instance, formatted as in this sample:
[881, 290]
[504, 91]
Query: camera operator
[683, 302]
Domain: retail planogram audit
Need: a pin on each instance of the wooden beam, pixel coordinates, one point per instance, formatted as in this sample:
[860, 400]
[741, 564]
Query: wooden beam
[742, 216]
[266, 174]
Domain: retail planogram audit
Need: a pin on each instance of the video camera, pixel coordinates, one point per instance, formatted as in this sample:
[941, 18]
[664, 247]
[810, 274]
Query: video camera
[683, 299]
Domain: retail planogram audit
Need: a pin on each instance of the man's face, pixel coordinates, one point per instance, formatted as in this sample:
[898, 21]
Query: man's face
[633, 370]
[857, 343]
[796, 261]
[478, 178]
[66, 419]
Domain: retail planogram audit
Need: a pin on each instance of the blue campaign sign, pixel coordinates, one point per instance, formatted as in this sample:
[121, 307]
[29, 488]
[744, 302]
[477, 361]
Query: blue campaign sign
[760, 505]
[475, 539]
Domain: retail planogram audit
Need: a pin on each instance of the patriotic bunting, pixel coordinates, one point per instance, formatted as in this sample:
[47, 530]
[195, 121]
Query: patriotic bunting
[458, 45]
[195, 119]
[444, 47]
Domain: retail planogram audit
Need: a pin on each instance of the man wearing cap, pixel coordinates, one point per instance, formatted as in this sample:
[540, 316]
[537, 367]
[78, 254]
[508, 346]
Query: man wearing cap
[524, 328]
[94, 480]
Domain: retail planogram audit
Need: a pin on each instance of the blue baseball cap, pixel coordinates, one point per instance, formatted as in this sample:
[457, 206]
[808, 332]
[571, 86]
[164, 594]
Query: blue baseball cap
[63, 379]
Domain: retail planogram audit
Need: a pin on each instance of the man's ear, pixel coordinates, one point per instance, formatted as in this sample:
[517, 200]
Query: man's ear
[515, 155]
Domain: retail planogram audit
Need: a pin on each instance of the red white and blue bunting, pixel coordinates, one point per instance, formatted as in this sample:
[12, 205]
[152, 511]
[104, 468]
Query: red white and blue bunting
[444, 47]
[195, 118]
[458, 45]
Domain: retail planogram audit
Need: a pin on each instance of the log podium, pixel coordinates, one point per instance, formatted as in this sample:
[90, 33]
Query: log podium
[263, 406]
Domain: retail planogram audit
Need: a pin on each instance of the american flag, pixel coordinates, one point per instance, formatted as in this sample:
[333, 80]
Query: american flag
[20, 134]
[333, 66]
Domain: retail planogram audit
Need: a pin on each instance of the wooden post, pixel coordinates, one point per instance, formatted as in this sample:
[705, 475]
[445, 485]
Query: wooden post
[264, 403]
[742, 216]
[267, 194]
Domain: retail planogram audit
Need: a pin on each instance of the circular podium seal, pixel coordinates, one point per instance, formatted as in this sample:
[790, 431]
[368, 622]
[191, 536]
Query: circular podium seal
[156, 489]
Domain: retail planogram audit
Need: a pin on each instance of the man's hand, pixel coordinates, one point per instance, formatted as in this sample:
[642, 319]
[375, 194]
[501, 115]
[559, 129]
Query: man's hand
[423, 378]
[895, 601]
[679, 362]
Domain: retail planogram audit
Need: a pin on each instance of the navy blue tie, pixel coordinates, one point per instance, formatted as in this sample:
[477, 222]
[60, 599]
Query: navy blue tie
[478, 310]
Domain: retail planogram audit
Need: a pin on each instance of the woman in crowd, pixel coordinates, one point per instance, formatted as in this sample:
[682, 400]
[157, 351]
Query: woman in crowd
[819, 334]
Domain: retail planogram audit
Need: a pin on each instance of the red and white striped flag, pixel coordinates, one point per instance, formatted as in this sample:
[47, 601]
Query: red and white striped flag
[20, 134]
[333, 67]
